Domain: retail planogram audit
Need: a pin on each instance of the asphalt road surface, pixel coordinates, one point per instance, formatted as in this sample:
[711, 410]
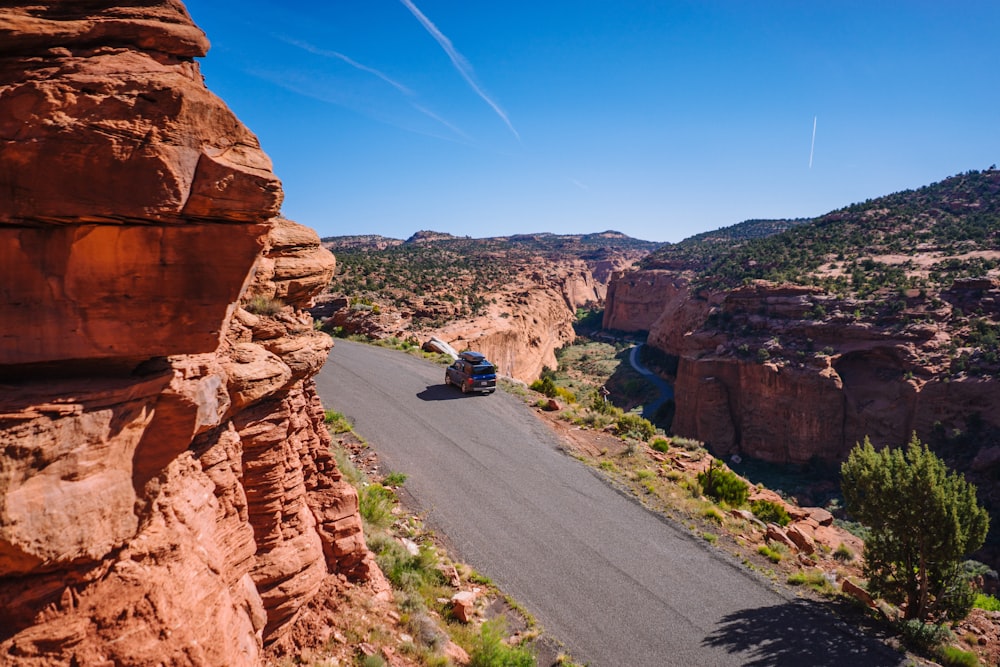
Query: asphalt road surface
[617, 584]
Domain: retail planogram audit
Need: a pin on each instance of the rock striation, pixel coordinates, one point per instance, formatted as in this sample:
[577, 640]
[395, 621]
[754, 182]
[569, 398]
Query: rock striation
[167, 494]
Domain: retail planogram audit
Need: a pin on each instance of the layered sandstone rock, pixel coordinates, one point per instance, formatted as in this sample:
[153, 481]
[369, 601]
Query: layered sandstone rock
[760, 373]
[522, 330]
[167, 494]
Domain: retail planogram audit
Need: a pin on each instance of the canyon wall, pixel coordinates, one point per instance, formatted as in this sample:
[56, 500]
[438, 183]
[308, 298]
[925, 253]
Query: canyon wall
[167, 494]
[521, 332]
[761, 372]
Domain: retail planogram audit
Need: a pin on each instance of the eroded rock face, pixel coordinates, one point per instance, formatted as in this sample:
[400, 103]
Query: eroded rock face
[760, 373]
[167, 494]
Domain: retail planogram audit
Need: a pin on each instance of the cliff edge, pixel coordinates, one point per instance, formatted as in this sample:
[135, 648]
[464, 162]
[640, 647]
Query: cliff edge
[167, 495]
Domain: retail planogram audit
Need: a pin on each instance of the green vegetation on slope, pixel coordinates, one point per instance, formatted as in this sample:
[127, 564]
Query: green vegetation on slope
[455, 273]
[924, 238]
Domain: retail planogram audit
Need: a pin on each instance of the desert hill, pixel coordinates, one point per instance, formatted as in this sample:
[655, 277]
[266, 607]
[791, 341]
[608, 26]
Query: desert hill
[514, 298]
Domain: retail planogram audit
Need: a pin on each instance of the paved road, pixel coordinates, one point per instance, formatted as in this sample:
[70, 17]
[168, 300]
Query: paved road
[666, 389]
[614, 582]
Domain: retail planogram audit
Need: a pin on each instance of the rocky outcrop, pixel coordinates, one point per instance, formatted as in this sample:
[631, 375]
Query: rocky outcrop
[787, 373]
[167, 494]
[529, 322]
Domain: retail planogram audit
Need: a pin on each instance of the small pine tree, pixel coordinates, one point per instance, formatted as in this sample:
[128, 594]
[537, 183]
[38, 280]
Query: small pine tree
[924, 519]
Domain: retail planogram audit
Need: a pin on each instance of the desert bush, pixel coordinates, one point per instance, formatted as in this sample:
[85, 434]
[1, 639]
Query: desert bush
[987, 602]
[394, 479]
[336, 422]
[264, 305]
[952, 656]
[635, 426]
[712, 514]
[843, 553]
[375, 504]
[565, 394]
[545, 386]
[769, 511]
[490, 650]
[922, 636]
[689, 444]
[772, 554]
[813, 579]
[724, 485]
[407, 572]
[660, 444]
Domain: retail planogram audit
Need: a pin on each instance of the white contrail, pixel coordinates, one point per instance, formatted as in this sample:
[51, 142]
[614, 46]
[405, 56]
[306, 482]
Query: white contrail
[812, 147]
[458, 60]
[305, 46]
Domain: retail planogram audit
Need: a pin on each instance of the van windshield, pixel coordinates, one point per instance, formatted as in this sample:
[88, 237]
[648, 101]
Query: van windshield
[483, 369]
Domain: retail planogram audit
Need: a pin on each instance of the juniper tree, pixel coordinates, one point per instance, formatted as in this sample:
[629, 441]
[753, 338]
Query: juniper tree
[924, 520]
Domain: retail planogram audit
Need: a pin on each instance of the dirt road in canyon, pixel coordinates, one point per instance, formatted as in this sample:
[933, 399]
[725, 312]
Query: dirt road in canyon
[614, 582]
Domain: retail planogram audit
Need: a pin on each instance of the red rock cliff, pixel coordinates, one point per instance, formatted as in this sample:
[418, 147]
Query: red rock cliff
[761, 373]
[167, 495]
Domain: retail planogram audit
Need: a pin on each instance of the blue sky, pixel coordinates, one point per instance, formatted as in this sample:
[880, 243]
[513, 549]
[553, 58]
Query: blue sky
[657, 119]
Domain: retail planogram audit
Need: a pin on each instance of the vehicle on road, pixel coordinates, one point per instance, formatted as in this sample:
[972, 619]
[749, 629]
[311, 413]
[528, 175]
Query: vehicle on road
[472, 372]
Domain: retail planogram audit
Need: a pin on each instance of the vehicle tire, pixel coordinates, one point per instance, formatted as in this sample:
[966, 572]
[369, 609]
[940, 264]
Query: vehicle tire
[447, 380]
[465, 388]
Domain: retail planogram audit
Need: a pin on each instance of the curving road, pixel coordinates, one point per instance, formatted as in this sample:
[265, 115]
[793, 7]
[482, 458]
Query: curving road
[614, 582]
[666, 389]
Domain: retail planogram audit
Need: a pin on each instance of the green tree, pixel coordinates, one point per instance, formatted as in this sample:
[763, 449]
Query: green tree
[924, 519]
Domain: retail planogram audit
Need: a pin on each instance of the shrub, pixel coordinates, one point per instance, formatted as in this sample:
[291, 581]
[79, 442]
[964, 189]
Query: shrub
[843, 553]
[375, 504]
[565, 394]
[394, 479]
[713, 514]
[489, 649]
[660, 444]
[813, 579]
[987, 602]
[635, 426]
[336, 421]
[951, 656]
[264, 305]
[545, 386]
[689, 444]
[922, 636]
[771, 554]
[406, 572]
[724, 485]
[769, 511]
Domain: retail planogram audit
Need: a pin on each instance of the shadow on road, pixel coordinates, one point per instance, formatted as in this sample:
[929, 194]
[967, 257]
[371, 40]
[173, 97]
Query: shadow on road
[794, 634]
[441, 392]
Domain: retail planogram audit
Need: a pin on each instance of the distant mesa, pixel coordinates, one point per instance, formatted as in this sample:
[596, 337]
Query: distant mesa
[426, 236]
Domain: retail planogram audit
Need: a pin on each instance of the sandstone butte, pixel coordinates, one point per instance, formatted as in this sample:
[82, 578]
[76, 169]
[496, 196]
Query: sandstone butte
[167, 495]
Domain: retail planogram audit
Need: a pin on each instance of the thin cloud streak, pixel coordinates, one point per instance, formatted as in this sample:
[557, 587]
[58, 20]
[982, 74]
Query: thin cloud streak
[458, 60]
[812, 147]
[408, 92]
[305, 46]
[310, 89]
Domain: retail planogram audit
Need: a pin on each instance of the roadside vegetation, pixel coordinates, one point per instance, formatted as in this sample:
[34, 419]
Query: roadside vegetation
[679, 478]
[425, 579]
